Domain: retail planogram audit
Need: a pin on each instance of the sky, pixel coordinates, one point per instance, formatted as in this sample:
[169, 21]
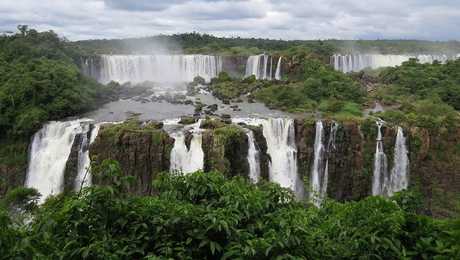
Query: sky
[283, 19]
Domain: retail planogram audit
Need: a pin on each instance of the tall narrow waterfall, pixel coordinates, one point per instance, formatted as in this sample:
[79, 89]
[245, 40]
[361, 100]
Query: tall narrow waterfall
[280, 136]
[261, 66]
[357, 62]
[187, 160]
[399, 174]
[158, 68]
[318, 177]
[380, 177]
[50, 150]
[319, 174]
[253, 158]
[278, 69]
[83, 178]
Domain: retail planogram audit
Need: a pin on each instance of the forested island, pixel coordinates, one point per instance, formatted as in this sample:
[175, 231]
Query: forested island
[361, 164]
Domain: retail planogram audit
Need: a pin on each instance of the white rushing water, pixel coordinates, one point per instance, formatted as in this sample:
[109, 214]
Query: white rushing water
[158, 68]
[84, 178]
[280, 136]
[357, 62]
[187, 160]
[253, 158]
[399, 179]
[319, 173]
[318, 176]
[261, 66]
[278, 69]
[51, 147]
[380, 177]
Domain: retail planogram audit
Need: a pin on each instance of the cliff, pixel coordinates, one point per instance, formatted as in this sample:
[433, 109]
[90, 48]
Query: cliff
[142, 151]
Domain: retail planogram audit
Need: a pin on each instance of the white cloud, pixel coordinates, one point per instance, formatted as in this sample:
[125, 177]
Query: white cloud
[288, 19]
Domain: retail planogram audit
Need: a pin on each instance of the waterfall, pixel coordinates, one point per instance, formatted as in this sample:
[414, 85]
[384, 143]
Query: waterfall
[83, 178]
[253, 158]
[270, 75]
[51, 147]
[279, 133]
[257, 65]
[278, 69]
[357, 62]
[252, 66]
[399, 173]
[265, 67]
[380, 177]
[318, 173]
[330, 148]
[158, 68]
[187, 160]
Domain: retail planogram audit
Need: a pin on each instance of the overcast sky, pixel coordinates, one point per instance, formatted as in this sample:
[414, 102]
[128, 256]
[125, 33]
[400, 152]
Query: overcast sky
[285, 19]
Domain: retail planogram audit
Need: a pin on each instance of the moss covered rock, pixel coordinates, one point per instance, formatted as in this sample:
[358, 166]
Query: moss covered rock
[143, 152]
[225, 150]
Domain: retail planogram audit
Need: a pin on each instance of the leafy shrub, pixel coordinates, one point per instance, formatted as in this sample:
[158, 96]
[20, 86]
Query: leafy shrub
[206, 216]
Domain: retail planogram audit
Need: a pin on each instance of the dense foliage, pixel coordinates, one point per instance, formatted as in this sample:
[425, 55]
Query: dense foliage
[205, 216]
[204, 43]
[425, 95]
[39, 81]
[395, 46]
[319, 88]
[423, 81]
[200, 43]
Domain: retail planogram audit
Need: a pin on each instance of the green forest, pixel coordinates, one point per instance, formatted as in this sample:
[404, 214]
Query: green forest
[209, 44]
[206, 216]
[209, 215]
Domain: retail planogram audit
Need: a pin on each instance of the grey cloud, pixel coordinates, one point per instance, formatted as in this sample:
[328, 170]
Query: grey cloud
[287, 19]
[142, 5]
[153, 5]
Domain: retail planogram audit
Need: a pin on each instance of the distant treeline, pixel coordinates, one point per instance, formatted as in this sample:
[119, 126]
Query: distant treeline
[208, 44]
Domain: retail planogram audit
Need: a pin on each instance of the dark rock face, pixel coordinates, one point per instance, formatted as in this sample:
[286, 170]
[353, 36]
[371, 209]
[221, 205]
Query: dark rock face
[141, 152]
[261, 145]
[350, 173]
[235, 66]
[350, 161]
[434, 157]
[305, 138]
[435, 169]
[225, 150]
[71, 167]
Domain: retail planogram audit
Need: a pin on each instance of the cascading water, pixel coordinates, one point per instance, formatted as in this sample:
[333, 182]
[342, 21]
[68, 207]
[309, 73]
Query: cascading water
[187, 160]
[252, 66]
[50, 150]
[83, 178]
[357, 62]
[380, 177]
[399, 173]
[280, 136]
[278, 69]
[158, 68]
[253, 158]
[261, 66]
[318, 173]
